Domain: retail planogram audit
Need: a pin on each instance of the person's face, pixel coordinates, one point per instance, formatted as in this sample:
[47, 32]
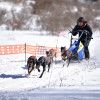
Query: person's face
[80, 23]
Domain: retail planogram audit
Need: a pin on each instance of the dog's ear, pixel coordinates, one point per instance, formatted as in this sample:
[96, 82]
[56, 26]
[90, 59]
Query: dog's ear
[63, 49]
[47, 52]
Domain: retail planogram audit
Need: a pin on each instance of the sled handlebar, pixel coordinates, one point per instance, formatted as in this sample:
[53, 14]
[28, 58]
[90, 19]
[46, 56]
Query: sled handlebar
[84, 31]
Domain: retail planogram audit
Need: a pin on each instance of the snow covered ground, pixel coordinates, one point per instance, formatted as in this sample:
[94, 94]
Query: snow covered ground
[62, 82]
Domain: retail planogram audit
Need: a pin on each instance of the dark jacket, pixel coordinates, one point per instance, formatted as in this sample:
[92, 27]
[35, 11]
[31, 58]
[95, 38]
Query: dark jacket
[85, 35]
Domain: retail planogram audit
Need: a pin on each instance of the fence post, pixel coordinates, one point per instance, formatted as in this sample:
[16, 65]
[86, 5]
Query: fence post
[25, 52]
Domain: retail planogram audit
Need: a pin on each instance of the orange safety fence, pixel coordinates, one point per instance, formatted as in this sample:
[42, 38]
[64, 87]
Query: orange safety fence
[11, 49]
[24, 48]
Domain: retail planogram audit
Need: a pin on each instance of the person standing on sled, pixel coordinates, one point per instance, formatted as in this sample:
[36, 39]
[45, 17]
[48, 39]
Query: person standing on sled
[87, 35]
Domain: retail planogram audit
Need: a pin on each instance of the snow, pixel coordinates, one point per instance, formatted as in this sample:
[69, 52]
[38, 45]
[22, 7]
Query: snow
[24, 7]
[9, 63]
[66, 83]
[6, 5]
[13, 71]
[9, 6]
[97, 18]
[31, 37]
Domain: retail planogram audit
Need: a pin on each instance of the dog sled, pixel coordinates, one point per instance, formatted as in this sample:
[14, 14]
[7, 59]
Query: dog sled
[75, 51]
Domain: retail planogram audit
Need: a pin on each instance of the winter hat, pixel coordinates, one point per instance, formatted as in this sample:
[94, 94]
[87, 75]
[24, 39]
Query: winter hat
[80, 19]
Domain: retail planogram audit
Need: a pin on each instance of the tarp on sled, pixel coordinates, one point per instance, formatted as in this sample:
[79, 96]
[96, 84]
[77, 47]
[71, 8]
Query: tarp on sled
[77, 50]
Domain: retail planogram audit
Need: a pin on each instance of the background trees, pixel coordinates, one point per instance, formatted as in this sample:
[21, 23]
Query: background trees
[51, 15]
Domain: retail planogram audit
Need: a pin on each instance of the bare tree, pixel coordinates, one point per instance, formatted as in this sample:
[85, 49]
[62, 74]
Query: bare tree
[2, 14]
[56, 15]
[53, 15]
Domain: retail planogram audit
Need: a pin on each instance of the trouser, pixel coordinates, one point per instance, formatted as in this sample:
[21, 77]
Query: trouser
[86, 50]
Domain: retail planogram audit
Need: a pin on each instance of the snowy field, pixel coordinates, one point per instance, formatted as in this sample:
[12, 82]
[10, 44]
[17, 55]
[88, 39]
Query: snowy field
[62, 82]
